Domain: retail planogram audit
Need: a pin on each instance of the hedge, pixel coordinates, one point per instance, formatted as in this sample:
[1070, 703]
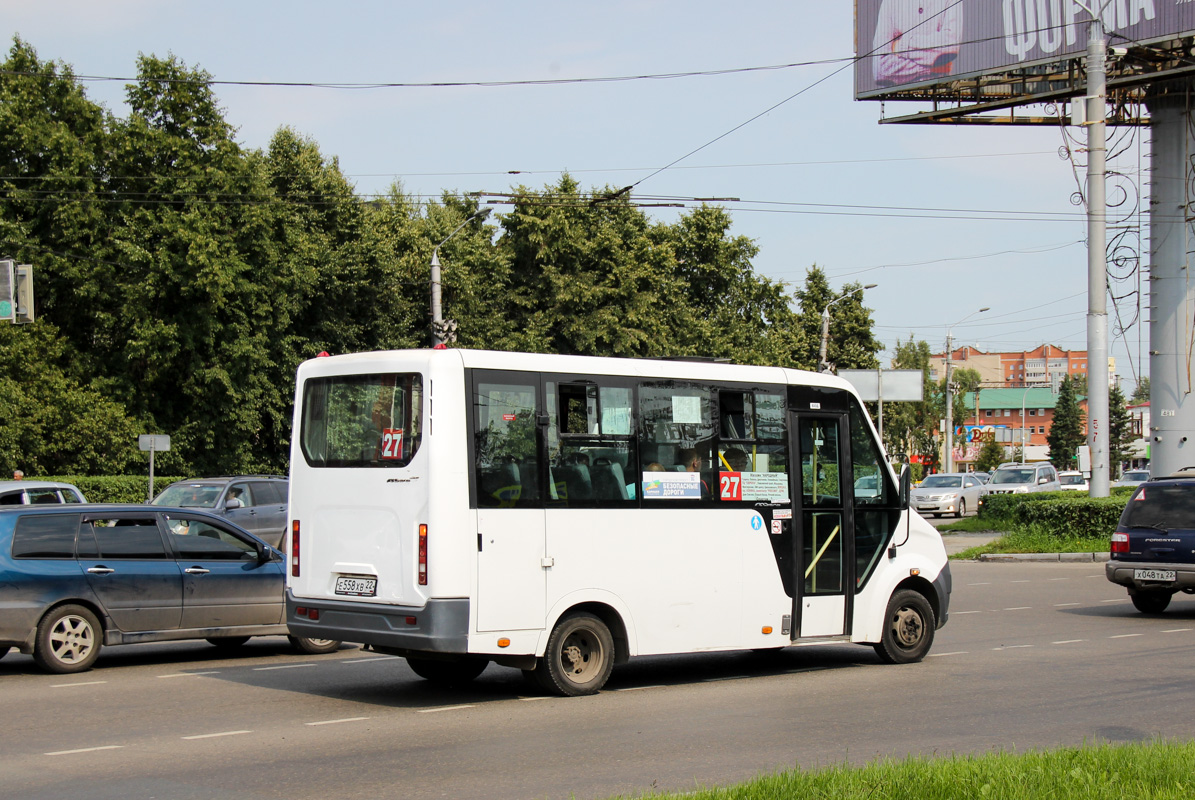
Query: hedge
[113, 488]
[1064, 514]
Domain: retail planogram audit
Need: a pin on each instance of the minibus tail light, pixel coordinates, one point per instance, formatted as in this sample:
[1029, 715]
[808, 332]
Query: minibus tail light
[294, 549]
[423, 555]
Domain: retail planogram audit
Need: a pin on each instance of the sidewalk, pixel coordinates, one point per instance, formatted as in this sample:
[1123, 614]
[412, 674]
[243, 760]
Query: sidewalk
[958, 542]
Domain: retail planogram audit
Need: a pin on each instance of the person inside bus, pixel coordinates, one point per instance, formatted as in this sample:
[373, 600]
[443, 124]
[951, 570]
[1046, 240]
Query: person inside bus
[737, 459]
[690, 459]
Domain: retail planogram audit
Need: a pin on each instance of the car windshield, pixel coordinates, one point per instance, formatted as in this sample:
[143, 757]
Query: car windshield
[1163, 507]
[1070, 480]
[189, 495]
[942, 482]
[1013, 475]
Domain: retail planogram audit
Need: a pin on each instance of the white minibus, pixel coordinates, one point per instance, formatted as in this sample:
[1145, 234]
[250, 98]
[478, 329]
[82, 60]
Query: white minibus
[561, 514]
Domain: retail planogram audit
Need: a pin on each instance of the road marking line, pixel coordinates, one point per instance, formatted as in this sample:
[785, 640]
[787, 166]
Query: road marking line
[1177, 630]
[1063, 605]
[81, 683]
[188, 674]
[367, 660]
[703, 680]
[661, 686]
[530, 699]
[986, 583]
[442, 708]
[282, 666]
[1018, 581]
[1069, 641]
[1011, 646]
[337, 721]
[84, 750]
[1019, 608]
[1117, 600]
[215, 735]
[1126, 635]
[1058, 579]
[959, 613]
[955, 653]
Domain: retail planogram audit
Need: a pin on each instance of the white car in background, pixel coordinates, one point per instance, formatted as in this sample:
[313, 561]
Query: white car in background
[1073, 481]
[1132, 477]
[948, 493]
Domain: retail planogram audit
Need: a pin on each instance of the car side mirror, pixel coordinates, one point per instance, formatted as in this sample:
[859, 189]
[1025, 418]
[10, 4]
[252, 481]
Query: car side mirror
[906, 485]
[233, 503]
[1043, 479]
[264, 554]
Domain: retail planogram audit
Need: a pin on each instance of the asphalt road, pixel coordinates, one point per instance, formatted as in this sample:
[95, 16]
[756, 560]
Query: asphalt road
[1035, 655]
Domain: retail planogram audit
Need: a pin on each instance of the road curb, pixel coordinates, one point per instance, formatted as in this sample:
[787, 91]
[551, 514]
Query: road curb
[1066, 557]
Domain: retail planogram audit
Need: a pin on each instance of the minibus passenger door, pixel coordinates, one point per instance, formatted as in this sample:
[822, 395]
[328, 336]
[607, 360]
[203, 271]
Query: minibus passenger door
[823, 527]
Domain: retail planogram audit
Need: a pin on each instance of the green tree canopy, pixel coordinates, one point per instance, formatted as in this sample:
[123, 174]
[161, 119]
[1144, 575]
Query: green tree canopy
[1066, 429]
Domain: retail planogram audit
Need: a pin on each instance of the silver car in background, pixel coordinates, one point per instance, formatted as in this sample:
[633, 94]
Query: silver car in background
[1023, 478]
[948, 493]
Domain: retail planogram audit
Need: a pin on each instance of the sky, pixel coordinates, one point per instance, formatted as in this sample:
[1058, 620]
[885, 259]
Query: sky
[945, 220]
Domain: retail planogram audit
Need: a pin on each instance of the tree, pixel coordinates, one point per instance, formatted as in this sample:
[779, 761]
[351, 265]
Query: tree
[910, 427]
[991, 455]
[851, 343]
[1066, 429]
[1120, 431]
[1140, 391]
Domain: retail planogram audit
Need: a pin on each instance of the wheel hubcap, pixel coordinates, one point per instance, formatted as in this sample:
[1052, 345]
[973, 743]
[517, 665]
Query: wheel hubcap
[581, 656]
[908, 627]
[72, 639]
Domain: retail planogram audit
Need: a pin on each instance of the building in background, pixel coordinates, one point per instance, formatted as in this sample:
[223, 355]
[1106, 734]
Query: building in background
[1011, 417]
[1042, 366]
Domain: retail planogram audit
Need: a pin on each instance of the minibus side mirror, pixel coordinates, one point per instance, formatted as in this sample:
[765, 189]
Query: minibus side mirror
[906, 486]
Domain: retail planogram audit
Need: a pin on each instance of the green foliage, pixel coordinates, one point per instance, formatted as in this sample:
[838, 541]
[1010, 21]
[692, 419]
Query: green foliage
[115, 488]
[1057, 514]
[910, 427]
[1120, 431]
[991, 455]
[851, 343]
[1140, 391]
[1066, 429]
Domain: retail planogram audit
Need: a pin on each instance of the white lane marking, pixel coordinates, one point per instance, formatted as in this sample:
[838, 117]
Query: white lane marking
[1011, 646]
[442, 708]
[215, 735]
[282, 666]
[660, 686]
[942, 655]
[1018, 581]
[84, 750]
[367, 660]
[986, 583]
[1064, 605]
[1058, 579]
[960, 613]
[1019, 608]
[80, 683]
[1117, 600]
[188, 674]
[337, 721]
[1177, 630]
[1126, 635]
[530, 699]
[1069, 641]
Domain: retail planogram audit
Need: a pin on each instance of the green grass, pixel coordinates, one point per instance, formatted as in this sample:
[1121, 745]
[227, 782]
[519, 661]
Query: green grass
[967, 525]
[1149, 771]
[1036, 541]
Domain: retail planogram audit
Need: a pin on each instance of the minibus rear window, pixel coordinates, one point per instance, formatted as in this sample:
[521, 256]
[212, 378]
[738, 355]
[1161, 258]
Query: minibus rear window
[362, 420]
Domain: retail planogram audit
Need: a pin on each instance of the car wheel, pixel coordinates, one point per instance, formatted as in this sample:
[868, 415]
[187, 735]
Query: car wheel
[1150, 602]
[68, 640]
[962, 509]
[448, 673]
[579, 657]
[228, 642]
[908, 628]
[314, 647]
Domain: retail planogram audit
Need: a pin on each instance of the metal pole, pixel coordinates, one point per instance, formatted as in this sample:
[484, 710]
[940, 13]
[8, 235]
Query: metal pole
[949, 408]
[1097, 270]
[822, 364]
[151, 473]
[437, 313]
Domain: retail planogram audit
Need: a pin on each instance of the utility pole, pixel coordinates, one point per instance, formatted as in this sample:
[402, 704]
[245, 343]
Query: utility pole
[1097, 267]
[949, 460]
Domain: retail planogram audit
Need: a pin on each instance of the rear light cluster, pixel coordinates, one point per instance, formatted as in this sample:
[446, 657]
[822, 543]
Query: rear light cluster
[423, 555]
[311, 613]
[1120, 542]
[294, 549]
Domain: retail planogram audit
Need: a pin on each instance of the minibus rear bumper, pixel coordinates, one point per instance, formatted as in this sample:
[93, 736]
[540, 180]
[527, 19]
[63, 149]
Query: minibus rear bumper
[440, 626]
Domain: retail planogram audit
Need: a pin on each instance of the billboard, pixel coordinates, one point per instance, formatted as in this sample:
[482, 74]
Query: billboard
[905, 44]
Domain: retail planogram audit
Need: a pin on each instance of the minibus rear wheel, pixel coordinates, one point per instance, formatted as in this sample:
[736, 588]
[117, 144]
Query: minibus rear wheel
[579, 657]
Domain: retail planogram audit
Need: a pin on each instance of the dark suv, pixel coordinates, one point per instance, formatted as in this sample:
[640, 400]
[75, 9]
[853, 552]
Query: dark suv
[1153, 548]
[74, 578]
[255, 502]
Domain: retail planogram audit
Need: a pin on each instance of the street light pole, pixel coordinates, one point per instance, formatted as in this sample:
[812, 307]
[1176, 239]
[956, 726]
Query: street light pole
[949, 390]
[822, 363]
[438, 328]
